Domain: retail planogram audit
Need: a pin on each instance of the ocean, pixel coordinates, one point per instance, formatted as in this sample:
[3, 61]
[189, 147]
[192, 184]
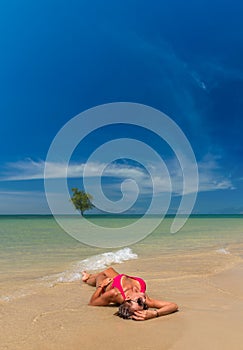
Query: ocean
[36, 252]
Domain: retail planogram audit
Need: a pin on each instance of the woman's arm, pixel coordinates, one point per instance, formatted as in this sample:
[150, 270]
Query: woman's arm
[101, 298]
[162, 308]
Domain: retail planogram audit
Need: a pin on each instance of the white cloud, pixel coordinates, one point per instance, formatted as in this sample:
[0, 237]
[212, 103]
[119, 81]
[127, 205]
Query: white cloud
[31, 170]
[24, 202]
[210, 174]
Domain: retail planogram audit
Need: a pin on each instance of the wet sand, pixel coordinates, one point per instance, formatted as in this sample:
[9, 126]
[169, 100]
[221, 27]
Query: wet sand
[209, 316]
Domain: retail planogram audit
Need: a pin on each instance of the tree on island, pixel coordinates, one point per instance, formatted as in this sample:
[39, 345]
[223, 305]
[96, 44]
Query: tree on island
[81, 200]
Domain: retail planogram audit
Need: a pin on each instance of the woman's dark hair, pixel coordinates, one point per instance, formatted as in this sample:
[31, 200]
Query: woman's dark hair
[125, 309]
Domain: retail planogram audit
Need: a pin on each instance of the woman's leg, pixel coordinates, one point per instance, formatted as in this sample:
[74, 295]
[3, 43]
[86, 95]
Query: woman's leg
[89, 278]
[97, 278]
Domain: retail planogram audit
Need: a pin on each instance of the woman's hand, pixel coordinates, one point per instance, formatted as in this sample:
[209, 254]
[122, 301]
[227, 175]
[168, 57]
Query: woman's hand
[144, 315]
[105, 282]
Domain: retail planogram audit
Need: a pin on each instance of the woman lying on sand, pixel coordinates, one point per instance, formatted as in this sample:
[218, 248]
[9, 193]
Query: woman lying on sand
[128, 292]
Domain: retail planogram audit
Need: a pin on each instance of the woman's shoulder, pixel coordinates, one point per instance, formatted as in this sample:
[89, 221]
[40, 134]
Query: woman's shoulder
[115, 296]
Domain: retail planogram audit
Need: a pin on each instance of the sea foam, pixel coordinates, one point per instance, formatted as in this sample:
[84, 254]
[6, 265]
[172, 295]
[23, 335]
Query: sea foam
[74, 273]
[96, 262]
[222, 251]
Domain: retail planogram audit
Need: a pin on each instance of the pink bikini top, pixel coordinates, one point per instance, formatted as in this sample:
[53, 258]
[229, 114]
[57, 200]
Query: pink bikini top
[117, 284]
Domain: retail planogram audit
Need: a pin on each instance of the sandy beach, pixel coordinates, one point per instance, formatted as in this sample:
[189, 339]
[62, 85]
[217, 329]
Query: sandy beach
[121, 146]
[209, 317]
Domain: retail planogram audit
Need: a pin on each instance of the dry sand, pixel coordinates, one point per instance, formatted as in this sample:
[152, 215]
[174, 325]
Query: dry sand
[210, 316]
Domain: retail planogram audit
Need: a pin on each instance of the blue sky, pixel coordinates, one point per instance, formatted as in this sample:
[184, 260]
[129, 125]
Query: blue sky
[59, 58]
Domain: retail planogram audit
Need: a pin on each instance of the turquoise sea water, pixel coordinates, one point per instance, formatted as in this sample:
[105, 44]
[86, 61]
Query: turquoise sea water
[35, 248]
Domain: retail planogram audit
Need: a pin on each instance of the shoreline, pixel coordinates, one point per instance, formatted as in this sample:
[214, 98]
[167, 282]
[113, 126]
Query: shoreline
[209, 316]
[175, 266]
[200, 269]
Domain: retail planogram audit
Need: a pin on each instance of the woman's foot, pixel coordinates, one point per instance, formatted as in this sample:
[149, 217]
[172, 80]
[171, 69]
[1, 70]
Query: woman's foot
[85, 276]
